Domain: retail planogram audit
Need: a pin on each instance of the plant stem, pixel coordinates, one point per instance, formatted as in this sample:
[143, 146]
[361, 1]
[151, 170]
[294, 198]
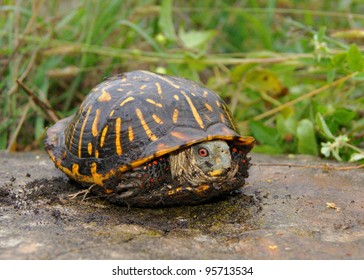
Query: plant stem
[303, 97]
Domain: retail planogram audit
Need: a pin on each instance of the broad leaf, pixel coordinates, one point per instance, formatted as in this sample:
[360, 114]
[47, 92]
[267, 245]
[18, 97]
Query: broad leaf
[194, 39]
[262, 80]
[166, 20]
[344, 116]
[307, 143]
[264, 134]
[355, 59]
[323, 127]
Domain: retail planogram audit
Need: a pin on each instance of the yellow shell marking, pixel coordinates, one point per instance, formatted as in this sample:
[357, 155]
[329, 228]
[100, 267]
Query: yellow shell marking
[145, 126]
[202, 188]
[105, 96]
[130, 98]
[159, 89]
[75, 168]
[176, 97]
[151, 101]
[103, 135]
[95, 178]
[178, 190]
[162, 78]
[168, 81]
[81, 132]
[119, 150]
[84, 106]
[82, 109]
[179, 135]
[208, 106]
[175, 116]
[130, 134]
[111, 113]
[157, 119]
[108, 191]
[229, 117]
[222, 118]
[163, 146]
[95, 131]
[73, 134]
[99, 178]
[205, 93]
[89, 148]
[175, 191]
[143, 87]
[218, 103]
[195, 114]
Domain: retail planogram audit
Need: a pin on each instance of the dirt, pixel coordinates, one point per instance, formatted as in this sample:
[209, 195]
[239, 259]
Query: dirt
[282, 213]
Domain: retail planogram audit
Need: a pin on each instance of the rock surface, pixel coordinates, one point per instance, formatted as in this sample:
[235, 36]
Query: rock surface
[284, 212]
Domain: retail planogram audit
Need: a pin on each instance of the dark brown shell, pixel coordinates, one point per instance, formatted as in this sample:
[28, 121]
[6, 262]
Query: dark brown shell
[130, 119]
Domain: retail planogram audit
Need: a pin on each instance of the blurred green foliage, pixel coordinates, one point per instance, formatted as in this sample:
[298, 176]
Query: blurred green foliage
[272, 61]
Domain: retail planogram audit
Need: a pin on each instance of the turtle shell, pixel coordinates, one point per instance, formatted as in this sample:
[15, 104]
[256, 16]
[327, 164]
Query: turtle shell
[132, 118]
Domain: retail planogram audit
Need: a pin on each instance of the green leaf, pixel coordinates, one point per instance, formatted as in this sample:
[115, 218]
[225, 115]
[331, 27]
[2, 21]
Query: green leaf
[3, 140]
[263, 80]
[264, 134]
[266, 149]
[339, 59]
[354, 58]
[238, 72]
[142, 33]
[330, 75]
[321, 34]
[166, 20]
[196, 39]
[323, 127]
[343, 116]
[307, 143]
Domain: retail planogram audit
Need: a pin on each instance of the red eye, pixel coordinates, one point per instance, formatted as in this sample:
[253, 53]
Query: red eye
[203, 152]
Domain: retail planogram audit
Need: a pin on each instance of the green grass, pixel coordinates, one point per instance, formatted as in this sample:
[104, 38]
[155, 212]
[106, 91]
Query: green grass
[291, 71]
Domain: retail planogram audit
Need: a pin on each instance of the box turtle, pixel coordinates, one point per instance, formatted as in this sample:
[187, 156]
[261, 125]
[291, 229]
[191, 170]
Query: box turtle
[147, 140]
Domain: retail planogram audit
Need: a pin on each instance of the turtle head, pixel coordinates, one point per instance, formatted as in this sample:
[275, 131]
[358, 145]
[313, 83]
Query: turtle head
[205, 162]
[212, 157]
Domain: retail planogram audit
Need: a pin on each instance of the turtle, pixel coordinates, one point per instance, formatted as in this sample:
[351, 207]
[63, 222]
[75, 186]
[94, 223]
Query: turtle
[145, 139]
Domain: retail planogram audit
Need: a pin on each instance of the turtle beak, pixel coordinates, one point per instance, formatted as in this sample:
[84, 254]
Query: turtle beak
[217, 172]
[222, 166]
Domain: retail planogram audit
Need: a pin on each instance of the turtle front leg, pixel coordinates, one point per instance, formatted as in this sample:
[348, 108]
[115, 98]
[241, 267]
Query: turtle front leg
[130, 184]
[142, 179]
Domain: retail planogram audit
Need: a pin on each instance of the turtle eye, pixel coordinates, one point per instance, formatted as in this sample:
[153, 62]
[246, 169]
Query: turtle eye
[203, 152]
